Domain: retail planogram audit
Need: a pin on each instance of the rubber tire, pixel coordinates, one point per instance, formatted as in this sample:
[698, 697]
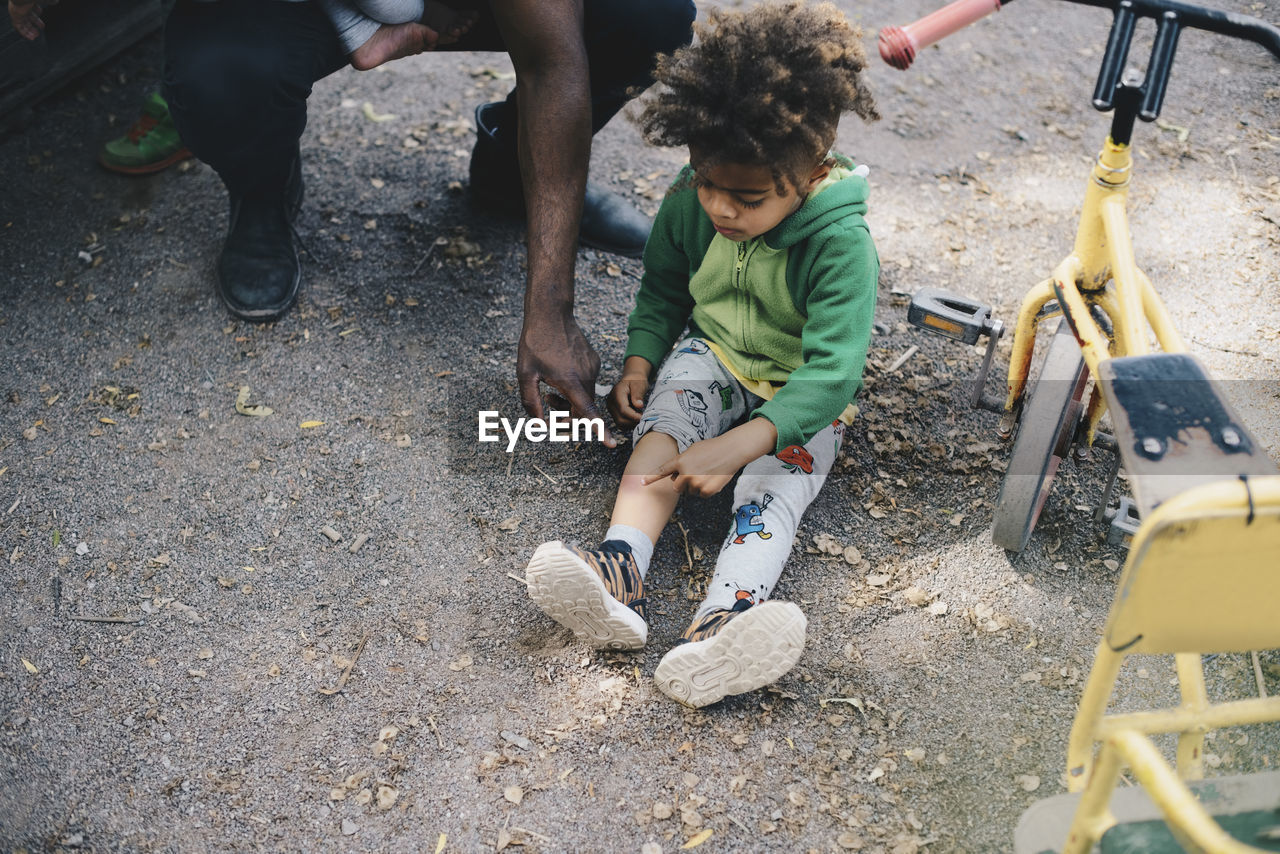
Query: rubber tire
[1050, 414]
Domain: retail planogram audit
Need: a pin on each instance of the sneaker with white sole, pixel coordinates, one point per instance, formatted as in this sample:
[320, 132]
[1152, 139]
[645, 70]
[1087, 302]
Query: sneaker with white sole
[731, 652]
[598, 594]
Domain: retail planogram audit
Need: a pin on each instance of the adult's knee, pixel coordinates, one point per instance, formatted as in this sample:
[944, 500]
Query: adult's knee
[218, 85]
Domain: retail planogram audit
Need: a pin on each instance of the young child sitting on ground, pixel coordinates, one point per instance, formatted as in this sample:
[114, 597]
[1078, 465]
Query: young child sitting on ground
[761, 248]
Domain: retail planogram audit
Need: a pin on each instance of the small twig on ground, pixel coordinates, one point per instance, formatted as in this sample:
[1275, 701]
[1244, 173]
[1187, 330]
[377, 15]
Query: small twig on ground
[91, 619]
[431, 722]
[534, 834]
[346, 674]
[1228, 349]
[544, 474]
[741, 825]
[515, 577]
[902, 360]
[688, 555]
[1257, 674]
[422, 260]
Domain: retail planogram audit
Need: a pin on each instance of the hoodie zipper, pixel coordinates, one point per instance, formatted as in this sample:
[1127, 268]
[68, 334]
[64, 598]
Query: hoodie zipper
[740, 291]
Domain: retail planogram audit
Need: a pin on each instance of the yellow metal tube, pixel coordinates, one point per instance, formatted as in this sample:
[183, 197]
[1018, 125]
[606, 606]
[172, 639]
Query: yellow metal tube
[1089, 715]
[1093, 815]
[1158, 316]
[1180, 808]
[1194, 701]
[1093, 341]
[1110, 178]
[1130, 327]
[1093, 414]
[1024, 340]
[1256, 710]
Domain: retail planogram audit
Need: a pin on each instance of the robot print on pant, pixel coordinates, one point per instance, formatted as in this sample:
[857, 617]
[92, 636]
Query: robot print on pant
[749, 519]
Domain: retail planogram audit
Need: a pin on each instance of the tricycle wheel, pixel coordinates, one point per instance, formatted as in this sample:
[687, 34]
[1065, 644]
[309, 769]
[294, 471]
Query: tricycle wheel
[1050, 414]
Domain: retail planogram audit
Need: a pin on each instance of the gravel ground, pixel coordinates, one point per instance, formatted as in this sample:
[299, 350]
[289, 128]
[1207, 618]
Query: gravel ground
[360, 537]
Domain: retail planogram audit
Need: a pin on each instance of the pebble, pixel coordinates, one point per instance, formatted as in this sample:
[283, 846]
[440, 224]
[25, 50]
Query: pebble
[518, 740]
[349, 827]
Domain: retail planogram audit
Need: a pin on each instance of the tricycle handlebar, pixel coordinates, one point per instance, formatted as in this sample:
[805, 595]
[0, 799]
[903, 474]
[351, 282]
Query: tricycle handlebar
[899, 45]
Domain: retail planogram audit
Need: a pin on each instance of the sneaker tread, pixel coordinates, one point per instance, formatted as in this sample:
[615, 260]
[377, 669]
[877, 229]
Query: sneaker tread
[570, 592]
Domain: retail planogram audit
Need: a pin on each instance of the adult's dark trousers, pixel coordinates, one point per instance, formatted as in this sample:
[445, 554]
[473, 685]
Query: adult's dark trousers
[238, 73]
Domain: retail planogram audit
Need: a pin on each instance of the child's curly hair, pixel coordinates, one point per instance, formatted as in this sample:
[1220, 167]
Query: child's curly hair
[764, 86]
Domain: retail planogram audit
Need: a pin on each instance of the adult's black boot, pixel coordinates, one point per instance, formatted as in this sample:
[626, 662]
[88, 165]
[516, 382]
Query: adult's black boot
[258, 271]
[608, 222]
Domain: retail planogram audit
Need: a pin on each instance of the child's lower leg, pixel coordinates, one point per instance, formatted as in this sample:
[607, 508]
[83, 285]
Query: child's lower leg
[599, 593]
[646, 508]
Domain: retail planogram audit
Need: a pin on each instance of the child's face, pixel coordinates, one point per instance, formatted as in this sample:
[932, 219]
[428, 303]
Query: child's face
[742, 200]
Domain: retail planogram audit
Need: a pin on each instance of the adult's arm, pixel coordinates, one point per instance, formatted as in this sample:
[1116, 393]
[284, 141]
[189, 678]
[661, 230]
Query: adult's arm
[544, 39]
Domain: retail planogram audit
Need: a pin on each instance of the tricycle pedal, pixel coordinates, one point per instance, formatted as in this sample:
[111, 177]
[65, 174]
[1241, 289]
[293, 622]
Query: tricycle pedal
[949, 315]
[1124, 523]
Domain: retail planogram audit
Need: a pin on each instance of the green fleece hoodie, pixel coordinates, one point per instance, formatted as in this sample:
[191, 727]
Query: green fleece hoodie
[792, 307]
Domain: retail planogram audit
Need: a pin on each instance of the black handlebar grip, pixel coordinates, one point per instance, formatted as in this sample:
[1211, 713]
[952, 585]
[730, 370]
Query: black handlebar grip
[1167, 31]
[1117, 54]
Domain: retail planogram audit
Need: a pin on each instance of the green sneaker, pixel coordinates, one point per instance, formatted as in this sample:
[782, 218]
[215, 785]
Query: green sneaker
[151, 145]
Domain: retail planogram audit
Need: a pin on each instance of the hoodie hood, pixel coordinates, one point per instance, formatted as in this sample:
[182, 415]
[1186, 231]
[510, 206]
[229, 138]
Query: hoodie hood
[841, 194]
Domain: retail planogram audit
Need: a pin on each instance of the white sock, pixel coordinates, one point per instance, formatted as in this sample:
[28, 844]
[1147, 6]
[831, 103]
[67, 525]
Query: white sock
[641, 545]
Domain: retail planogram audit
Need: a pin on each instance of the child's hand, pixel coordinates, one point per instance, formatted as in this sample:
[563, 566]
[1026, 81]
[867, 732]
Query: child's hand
[704, 469]
[626, 401]
[26, 19]
[708, 466]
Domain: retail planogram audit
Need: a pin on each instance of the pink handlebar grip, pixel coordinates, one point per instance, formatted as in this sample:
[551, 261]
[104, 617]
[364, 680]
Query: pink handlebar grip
[899, 45]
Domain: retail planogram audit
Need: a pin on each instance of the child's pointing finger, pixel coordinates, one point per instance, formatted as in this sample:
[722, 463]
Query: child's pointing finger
[666, 470]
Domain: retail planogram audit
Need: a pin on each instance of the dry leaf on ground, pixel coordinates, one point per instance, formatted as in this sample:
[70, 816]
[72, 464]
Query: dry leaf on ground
[374, 116]
[244, 407]
[697, 839]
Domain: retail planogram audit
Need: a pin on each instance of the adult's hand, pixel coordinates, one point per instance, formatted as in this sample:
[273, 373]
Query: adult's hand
[554, 351]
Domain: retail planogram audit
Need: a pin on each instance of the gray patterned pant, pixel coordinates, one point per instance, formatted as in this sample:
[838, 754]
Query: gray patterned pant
[694, 398]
